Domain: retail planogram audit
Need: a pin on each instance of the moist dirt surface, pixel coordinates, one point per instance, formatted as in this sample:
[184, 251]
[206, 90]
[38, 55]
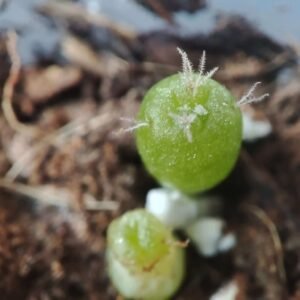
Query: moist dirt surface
[68, 76]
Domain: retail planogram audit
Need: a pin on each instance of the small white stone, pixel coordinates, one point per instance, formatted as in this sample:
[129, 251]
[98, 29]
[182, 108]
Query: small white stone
[206, 234]
[171, 207]
[227, 242]
[177, 210]
[227, 292]
[254, 129]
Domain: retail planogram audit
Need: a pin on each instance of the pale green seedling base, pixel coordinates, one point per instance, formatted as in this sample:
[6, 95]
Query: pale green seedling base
[196, 165]
[144, 261]
[158, 284]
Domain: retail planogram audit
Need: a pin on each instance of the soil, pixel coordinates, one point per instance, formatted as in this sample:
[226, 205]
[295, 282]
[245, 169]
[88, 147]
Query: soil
[67, 169]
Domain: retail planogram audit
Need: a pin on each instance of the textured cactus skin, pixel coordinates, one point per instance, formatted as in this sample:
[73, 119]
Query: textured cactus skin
[202, 162]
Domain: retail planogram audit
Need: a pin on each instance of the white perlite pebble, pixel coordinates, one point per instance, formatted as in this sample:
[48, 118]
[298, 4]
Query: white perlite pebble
[172, 208]
[206, 233]
[177, 210]
[227, 292]
[254, 129]
[227, 242]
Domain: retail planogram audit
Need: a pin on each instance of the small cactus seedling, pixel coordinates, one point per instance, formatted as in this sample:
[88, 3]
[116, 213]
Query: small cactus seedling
[189, 129]
[144, 259]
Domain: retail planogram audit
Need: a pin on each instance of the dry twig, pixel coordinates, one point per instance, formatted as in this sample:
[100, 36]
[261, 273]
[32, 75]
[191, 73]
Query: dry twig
[57, 138]
[264, 218]
[76, 13]
[9, 88]
[49, 195]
